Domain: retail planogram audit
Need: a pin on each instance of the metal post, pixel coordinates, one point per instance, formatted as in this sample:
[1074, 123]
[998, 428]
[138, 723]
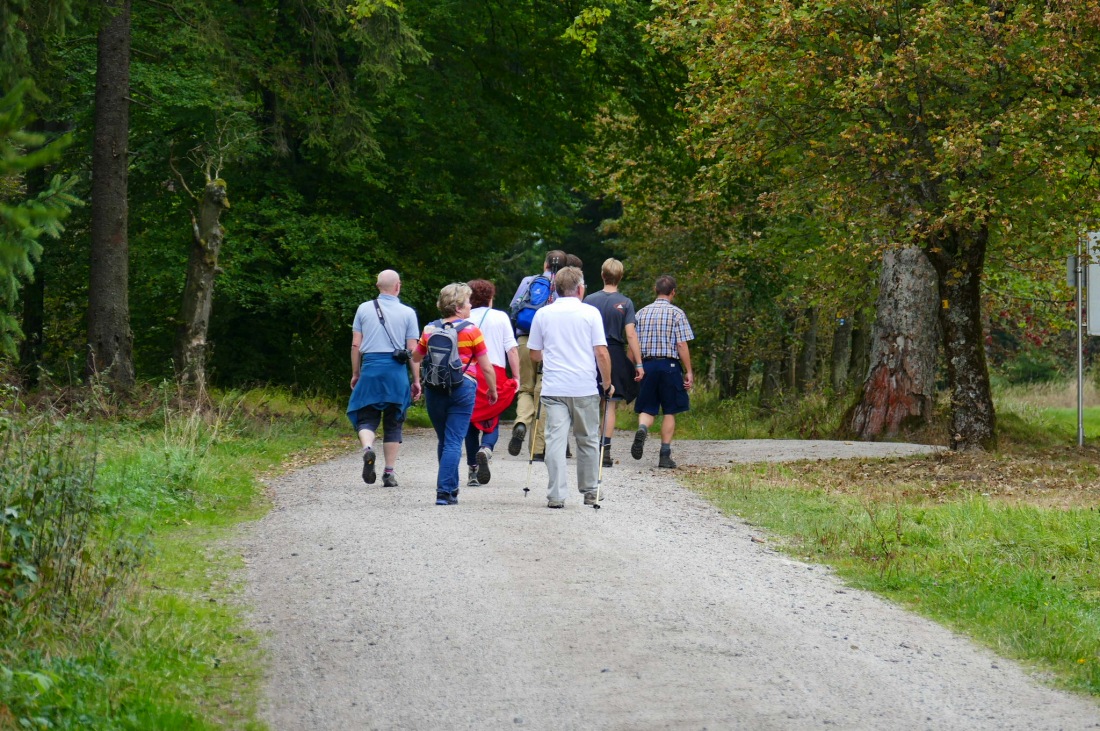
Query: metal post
[1080, 272]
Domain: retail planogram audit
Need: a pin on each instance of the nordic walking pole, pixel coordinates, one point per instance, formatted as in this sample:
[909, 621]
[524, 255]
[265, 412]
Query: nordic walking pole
[599, 475]
[531, 459]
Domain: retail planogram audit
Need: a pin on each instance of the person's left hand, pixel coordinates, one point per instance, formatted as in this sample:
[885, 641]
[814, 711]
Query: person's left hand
[492, 394]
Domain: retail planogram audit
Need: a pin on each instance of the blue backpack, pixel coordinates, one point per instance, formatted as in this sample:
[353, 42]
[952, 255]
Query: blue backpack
[538, 294]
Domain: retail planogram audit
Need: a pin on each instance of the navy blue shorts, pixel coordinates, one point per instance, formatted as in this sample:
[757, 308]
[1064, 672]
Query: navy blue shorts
[391, 419]
[662, 389]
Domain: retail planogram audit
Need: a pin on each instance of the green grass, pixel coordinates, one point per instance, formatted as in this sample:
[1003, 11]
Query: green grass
[1020, 578]
[173, 651]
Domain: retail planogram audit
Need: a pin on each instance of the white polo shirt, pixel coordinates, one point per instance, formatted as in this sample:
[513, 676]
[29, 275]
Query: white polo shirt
[566, 331]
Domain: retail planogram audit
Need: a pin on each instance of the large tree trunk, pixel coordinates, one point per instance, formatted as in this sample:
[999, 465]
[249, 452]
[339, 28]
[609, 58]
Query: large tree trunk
[959, 259]
[198, 293]
[110, 341]
[842, 351]
[900, 386]
[807, 357]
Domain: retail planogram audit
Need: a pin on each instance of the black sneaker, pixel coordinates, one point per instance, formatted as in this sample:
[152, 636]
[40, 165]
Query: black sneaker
[639, 442]
[539, 457]
[441, 498]
[666, 462]
[484, 457]
[568, 451]
[389, 479]
[473, 481]
[519, 431]
[607, 461]
[369, 475]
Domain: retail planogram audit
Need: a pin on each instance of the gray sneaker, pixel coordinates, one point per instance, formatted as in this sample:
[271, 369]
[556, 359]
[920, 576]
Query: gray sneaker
[473, 481]
[555, 503]
[389, 479]
[484, 457]
[590, 497]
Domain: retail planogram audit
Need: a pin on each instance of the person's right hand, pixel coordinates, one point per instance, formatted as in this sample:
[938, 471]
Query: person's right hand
[492, 393]
[354, 380]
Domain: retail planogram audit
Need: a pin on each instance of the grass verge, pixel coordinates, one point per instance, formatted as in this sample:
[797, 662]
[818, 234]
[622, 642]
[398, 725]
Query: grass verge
[1003, 547]
[168, 647]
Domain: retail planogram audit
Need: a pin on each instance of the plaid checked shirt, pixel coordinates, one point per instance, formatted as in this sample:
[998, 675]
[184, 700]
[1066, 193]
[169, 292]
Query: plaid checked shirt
[660, 326]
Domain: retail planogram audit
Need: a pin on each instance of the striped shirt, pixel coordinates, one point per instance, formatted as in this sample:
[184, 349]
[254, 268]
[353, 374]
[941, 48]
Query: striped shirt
[471, 344]
[661, 325]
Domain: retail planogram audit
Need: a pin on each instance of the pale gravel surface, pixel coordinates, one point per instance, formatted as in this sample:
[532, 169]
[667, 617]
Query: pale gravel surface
[381, 610]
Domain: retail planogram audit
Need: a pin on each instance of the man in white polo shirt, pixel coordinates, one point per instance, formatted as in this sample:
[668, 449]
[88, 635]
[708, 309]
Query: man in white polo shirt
[567, 336]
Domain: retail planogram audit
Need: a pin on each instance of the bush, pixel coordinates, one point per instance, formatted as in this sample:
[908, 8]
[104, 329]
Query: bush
[1032, 366]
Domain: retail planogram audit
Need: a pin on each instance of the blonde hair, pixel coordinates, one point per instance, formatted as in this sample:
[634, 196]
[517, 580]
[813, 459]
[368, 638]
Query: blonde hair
[452, 297]
[612, 271]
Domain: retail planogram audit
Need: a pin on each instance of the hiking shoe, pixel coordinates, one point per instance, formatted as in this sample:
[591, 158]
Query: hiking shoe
[441, 498]
[666, 462]
[555, 503]
[369, 475]
[519, 431]
[590, 498]
[473, 481]
[607, 461]
[484, 457]
[389, 479]
[639, 442]
[538, 457]
[568, 451]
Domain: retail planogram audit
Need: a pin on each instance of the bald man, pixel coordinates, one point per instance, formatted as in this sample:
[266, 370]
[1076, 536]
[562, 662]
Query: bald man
[384, 332]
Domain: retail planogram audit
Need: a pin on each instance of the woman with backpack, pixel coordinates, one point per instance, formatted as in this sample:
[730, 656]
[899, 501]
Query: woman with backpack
[496, 328]
[451, 353]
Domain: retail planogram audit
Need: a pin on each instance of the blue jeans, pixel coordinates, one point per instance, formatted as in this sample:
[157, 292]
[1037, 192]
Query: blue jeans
[476, 438]
[450, 415]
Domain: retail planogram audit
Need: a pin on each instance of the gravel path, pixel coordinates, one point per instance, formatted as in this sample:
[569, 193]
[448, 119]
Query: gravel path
[381, 610]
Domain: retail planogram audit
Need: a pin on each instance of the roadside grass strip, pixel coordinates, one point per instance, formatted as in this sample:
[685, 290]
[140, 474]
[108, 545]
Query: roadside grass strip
[1005, 549]
[167, 646]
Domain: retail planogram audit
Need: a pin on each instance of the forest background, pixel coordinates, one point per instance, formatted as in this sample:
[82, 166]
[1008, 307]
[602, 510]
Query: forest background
[771, 156]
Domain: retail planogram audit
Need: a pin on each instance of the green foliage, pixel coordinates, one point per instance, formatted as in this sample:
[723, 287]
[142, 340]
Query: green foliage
[24, 222]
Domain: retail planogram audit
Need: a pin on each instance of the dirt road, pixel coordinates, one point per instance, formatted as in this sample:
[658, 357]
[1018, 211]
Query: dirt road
[382, 610]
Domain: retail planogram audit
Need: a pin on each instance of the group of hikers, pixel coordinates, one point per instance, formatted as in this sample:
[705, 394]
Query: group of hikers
[565, 357]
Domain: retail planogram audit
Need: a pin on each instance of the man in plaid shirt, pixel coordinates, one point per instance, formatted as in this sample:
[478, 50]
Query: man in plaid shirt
[663, 332]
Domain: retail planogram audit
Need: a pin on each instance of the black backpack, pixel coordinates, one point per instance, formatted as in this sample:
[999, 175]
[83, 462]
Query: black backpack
[442, 370]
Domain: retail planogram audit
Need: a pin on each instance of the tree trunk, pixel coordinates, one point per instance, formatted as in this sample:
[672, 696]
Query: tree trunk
[900, 386]
[842, 352]
[770, 384]
[807, 358]
[198, 293]
[959, 259]
[861, 347]
[110, 341]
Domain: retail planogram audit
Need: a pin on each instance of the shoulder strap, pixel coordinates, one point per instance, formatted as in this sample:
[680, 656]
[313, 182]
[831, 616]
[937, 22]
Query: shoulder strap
[378, 309]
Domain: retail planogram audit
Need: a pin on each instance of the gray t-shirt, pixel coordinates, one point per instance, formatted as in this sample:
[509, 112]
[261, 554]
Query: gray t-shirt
[400, 319]
[617, 311]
